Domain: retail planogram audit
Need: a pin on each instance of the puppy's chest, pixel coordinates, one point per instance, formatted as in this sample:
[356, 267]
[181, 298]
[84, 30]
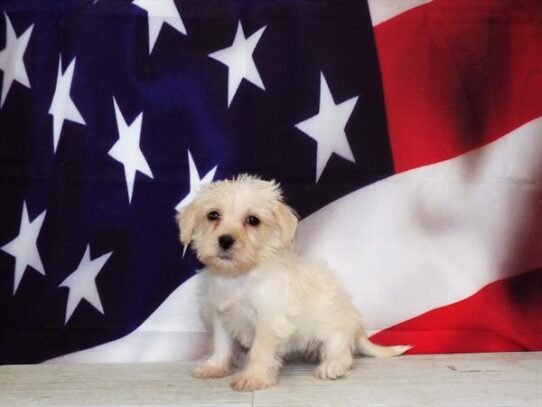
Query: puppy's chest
[235, 305]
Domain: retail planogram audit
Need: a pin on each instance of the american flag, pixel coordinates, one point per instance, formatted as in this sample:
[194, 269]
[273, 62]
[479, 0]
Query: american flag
[406, 133]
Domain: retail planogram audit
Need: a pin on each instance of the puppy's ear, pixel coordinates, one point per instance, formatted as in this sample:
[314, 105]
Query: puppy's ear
[287, 221]
[186, 219]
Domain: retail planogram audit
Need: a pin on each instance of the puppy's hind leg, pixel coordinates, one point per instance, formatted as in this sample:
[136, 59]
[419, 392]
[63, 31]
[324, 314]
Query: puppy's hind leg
[336, 358]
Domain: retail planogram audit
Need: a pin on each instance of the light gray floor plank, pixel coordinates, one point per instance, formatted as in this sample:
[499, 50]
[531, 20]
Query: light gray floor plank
[160, 384]
[496, 380]
[512, 379]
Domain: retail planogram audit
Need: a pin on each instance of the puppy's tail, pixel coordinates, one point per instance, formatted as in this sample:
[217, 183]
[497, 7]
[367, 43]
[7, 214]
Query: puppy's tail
[368, 348]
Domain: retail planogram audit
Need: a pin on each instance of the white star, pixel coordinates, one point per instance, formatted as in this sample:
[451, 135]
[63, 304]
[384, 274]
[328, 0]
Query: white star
[238, 58]
[62, 107]
[24, 247]
[82, 283]
[195, 184]
[327, 127]
[11, 59]
[126, 150]
[160, 12]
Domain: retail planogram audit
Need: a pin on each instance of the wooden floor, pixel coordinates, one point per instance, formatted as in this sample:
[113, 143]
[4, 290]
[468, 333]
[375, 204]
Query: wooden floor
[511, 379]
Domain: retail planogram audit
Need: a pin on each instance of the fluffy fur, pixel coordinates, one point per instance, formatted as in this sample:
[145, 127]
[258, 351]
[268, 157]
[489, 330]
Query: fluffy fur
[260, 296]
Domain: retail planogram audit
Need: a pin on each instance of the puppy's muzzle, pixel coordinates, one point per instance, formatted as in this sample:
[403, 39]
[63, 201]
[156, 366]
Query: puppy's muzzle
[225, 242]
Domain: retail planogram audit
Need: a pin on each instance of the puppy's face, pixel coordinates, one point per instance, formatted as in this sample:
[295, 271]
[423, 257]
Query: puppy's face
[233, 225]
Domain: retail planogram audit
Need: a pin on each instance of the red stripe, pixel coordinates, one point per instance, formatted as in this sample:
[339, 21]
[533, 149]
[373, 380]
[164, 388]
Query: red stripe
[504, 316]
[458, 74]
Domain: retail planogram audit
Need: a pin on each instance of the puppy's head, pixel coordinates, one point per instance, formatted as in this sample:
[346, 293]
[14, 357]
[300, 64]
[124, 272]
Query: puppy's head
[235, 224]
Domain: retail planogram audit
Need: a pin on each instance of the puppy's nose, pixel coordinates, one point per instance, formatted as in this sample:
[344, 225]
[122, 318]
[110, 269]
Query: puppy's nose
[226, 241]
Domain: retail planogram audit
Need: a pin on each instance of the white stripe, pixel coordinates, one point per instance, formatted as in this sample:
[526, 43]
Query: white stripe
[173, 332]
[405, 245]
[437, 234]
[382, 10]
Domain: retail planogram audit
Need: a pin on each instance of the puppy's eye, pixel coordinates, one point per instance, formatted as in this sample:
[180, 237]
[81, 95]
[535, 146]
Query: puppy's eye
[253, 221]
[213, 215]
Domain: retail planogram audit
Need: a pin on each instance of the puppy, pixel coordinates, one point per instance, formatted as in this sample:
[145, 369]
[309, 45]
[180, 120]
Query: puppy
[257, 293]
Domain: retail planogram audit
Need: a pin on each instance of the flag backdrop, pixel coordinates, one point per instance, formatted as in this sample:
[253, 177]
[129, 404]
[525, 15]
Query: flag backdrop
[407, 134]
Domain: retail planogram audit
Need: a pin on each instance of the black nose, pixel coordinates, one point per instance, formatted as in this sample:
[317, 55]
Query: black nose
[226, 241]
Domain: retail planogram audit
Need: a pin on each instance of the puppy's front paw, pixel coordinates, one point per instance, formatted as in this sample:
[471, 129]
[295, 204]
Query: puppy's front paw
[332, 370]
[209, 371]
[246, 381]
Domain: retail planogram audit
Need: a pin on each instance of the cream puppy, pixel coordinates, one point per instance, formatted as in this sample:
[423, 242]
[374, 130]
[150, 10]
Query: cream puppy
[259, 294]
